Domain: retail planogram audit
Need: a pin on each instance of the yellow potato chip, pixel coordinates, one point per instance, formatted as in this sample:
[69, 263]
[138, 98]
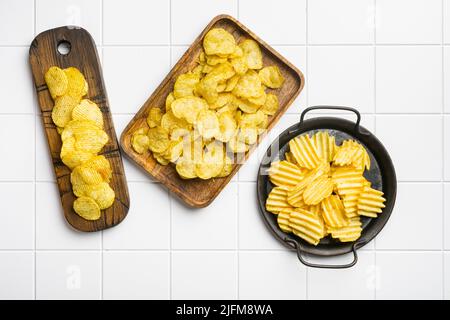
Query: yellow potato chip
[67, 147]
[325, 145]
[62, 111]
[227, 168]
[91, 141]
[333, 212]
[235, 145]
[252, 120]
[88, 110]
[101, 165]
[237, 53]
[208, 124]
[245, 105]
[348, 181]
[232, 82]
[158, 139]
[239, 65]
[87, 208]
[140, 142]
[170, 98]
[370, 202]
[213, 60]
[271, 105]
[219, 41]
[212, 163]
[271, 77]
[352, 153]
[75, 158]
[289, 157]
[306, 225]
[102, 194]
[174, 151]
[171, 123]
[75, 128]
[304, 152]
[283, 220]
[285, 174]
[186, 168]
[185, 84]
[154, 117]
[260, 100]
[248, 86]
[277, 200]
[85, 175]
[56, 81]
[77, 85]
[348, 233]
[252, 54]
[227, 127]
[248, 135]
[318, 190]
[188, 108]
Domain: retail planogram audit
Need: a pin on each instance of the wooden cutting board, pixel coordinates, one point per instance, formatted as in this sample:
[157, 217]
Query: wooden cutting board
[197, 192]
[82, 55]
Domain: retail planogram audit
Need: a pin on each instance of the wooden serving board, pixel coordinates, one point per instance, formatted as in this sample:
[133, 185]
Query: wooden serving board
[82, 55]
[197, 192]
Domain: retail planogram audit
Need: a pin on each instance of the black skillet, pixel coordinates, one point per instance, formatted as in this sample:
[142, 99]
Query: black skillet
[381, 175]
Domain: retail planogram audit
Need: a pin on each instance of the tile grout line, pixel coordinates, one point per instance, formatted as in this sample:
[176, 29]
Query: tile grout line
[307, 104]
[35, 167]
[168, 192]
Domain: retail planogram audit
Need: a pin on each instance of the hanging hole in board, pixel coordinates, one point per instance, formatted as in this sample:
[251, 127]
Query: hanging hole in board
[64, 47]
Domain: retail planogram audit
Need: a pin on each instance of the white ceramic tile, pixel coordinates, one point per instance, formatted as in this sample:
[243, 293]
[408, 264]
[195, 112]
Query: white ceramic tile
[213, 227]
[16, 275]
[14, 62]
[84, 13]
[408, 21]
[253, 233]
[271, 275]
[446, 7]
[17, 210]
[146, 275]
[446, 70]
[446, 148]
[130, 84]
[412, 218]
[409, 275]
[17, 17]
[18, 158]
[136, 22]
[447, 275]
[276, 22]
[401, 135]
[446, 216]
[68, 275]
[347, 21]
[52, 229]
[147, 225]
[297, 56]
[341, 76]
[196, 14]
[44, 165]
[409, 79]
[176, 53]
[204, 275]
[357, 282]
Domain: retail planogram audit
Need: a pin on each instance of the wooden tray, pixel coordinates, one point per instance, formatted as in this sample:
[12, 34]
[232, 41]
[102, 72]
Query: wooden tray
[197, 192]
[82, 55]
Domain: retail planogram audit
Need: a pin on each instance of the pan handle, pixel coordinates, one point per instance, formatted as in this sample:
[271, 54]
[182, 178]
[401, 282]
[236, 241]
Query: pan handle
[358, 115]
[355, 246]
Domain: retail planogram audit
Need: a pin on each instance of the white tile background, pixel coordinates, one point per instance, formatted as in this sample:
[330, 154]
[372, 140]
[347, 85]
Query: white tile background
[388, 58]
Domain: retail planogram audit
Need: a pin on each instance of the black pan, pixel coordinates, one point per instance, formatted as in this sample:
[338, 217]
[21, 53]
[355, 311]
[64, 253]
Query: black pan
[381, 175]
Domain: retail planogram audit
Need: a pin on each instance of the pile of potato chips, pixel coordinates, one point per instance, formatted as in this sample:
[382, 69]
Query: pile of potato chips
[320, 189]
[80, 123]
[218, 108]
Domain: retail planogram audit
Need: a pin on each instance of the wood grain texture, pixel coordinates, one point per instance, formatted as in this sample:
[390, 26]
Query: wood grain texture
[197, 192]
[82, 55]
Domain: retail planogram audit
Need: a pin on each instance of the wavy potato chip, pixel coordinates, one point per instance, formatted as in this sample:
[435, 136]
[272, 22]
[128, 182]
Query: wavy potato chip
[277, 200]
[370, 202]
[75, 158]
[318, 190]
[56, 81]
[77, 86]
[87, 208]
[348, 233]
[219, 42]
[62, 111]
[304, 152]
[102, 194]
[88, 110]
[325, 145]
[306, 225]
[283, 220]
[271, 77]
[285, 174]
[333, 212]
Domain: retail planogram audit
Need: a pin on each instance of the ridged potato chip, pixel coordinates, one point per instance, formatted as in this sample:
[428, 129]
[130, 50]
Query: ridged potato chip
[188, 108]
[91, 141]
[349, 233]
[285, 174]
[219, 42]
[304, 152]
[75, 158]
[154, 117]
[318, 190]
[252, 54]
[56, 81]
[158, 139]
[271, 77]
[348, 181]
[370, 202]
[208, 124]
[87, 208]
[62, 111]
[102, 194]
[277, 200]
[306, 225]
[325, 145]
[77, 86]
[333, 212]
[101, 165]
[283, 220]
[88, 110]
[85, 175]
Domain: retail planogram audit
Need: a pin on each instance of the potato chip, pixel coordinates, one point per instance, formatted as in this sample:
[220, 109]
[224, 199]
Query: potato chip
[213, 60]
[348, 181]
[252, 120]
[88, 110]
[212, 163]
[239, 65]
[77, 85]
[67, 147]
[102, 194]
[62, 111]
[158, 139]
[91, 141]
[235, 145]
[248, 86]
[325, 145]
[306, 225]
[333, 212]
[352, 153]
[171, 123]
[219, 41]
[75, 158]
[245, 106]
[317, 210]
[232, 82]
[185, 84]
[188, 108]
[283, 220]
[237, 53]
[318, 190]
[260, 99]
[348, 233]
[370, 202]
[304, 152]
[252, 54]
[227, 127]
[227, 167]
[174, 151]
[271, 105]
[169, 99]
[207, 124]
[290, 158]
[87, 208]
[85, 175]
[76, 128]
[277, 200]
[101, 165]
[56, 81]
[154, 117]
[186, 168]
[271, 77]
[285, 174]
[140, 142]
